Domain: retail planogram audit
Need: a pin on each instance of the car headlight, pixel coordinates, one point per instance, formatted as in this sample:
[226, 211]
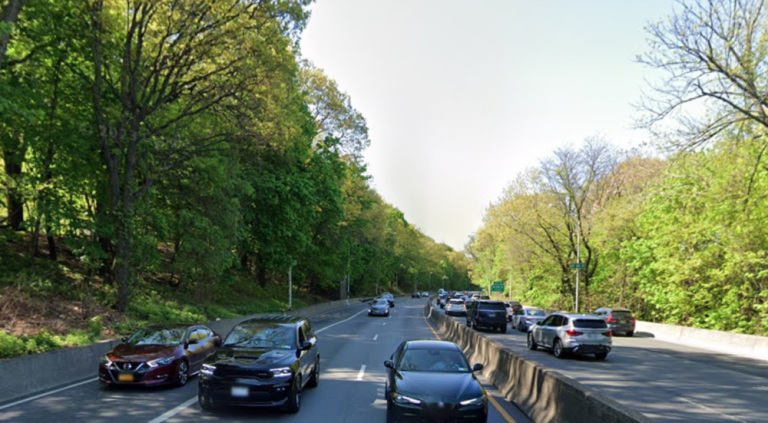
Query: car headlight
[402, 399]
[160, 362]
[105, 360]
[281, 372]
[473, 401]
[208, 369]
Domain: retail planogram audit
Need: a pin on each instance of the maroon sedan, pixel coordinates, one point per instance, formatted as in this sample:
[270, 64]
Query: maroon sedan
[158, 355]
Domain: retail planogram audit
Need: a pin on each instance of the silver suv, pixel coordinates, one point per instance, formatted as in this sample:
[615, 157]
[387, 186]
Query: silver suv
[572, 334]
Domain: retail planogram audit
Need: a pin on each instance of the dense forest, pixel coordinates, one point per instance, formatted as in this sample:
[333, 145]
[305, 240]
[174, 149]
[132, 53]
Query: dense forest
[679, 234]
[187, 143]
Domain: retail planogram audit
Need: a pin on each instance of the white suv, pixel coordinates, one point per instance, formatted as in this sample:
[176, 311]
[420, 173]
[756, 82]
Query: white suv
[572, 334]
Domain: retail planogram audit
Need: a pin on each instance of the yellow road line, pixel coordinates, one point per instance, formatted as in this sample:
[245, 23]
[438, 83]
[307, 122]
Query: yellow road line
[495, 403]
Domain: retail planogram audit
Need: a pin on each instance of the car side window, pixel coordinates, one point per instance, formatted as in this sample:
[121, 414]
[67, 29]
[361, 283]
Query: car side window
[302, 335]
[196, 335]
[548, 321]
[308, 330]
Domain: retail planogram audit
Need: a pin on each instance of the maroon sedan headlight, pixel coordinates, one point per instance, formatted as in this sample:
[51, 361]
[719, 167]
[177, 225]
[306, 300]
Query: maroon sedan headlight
[160, 362]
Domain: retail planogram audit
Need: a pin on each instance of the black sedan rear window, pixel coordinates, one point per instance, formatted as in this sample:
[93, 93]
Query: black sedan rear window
[622, 315]
[590, 324]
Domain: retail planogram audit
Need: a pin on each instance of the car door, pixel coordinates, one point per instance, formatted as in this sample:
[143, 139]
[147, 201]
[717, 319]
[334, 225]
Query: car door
[550, 329]
[538, 330]
[195, 348]
[306, 357]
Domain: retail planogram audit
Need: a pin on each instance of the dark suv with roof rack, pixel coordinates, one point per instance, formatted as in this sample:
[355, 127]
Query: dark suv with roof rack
[264, 362]
[487, 314]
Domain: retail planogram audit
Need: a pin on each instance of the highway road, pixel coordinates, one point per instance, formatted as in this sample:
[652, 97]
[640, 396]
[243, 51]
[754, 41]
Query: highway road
[665, 381]
[353, 348]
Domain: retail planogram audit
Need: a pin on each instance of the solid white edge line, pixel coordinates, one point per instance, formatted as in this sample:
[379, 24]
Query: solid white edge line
[338, 323]
[375, 336]
[176, 410]
[44, 394]
[361, 373]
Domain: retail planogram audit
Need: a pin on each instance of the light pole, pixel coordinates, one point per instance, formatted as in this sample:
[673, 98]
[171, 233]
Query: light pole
[578, 260]
[290, 285]
[430, 282]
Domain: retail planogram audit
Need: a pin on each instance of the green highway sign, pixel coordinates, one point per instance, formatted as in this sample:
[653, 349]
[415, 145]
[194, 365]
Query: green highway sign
[578, 265]
[497, 286]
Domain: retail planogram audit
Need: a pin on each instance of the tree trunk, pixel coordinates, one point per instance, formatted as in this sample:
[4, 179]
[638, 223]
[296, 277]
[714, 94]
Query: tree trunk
[52, 250]
[8, 15]
[13, 159]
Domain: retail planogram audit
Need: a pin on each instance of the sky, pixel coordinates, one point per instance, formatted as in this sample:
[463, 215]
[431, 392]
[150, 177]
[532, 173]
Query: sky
[462, 96]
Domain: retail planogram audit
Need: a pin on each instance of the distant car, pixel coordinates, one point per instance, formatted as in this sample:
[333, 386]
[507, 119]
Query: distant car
[569, 334]
[389, 297]
[432, 381]
[512, 307]
[378, 307]
[158, 355]
[443, 300]
[264, 362]
[456, 308]
[487, 314]
[618, 319]
[527, 317]
[425, 294]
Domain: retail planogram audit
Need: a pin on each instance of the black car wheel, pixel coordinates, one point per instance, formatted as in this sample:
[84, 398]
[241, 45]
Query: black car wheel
[315, 379]
[558, 350]
[503, 329]
[182, 374]
[294, 398]
[205, 403]
[601, 355]
[532, 342]
[630, 333]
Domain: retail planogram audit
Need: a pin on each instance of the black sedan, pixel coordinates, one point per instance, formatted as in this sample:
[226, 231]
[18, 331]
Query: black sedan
[378, 307]
[264, 362]
[432, 381]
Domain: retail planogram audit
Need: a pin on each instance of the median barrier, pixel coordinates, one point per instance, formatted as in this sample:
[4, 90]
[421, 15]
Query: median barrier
[726, 342]
[543, 394]
[24, 376]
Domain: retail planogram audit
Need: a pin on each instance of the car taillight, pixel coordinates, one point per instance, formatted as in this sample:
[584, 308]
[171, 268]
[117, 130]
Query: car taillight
[608, 334]
[573, 332]
[611, 319]
[528, 319]
[634, 320]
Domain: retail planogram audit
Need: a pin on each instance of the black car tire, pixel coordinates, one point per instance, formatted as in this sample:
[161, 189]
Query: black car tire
[314, 380]
[558, 349]
[294, 398]
[205, 403]
[182, 373]
[630, 333]
[503, 329]
[532, 345]
[601, 355]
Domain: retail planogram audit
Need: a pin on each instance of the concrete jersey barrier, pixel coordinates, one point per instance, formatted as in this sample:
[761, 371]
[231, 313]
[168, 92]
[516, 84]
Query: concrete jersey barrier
[24, 376]
[725, 342]
[545, 395]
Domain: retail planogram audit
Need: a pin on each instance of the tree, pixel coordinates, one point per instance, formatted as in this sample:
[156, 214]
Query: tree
[160, 66]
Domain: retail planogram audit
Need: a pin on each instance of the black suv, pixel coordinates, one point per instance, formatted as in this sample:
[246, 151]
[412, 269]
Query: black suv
[264, 362]
[487, 314]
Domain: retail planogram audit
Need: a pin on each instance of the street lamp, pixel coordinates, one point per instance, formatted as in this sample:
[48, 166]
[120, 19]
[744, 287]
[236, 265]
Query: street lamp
[290, 285]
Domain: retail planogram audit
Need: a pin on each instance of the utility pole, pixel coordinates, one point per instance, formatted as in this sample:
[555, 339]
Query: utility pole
[578, 260]
[509, 292]
[290, 285]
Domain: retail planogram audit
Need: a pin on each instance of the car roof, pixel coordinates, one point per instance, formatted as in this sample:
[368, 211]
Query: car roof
[490, 302]
[172, 326]
[430, 345]
[579, 316]
[273, 318]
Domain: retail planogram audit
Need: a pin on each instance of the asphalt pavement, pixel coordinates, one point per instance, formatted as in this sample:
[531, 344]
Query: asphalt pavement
[353, 348]
[665, 381]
